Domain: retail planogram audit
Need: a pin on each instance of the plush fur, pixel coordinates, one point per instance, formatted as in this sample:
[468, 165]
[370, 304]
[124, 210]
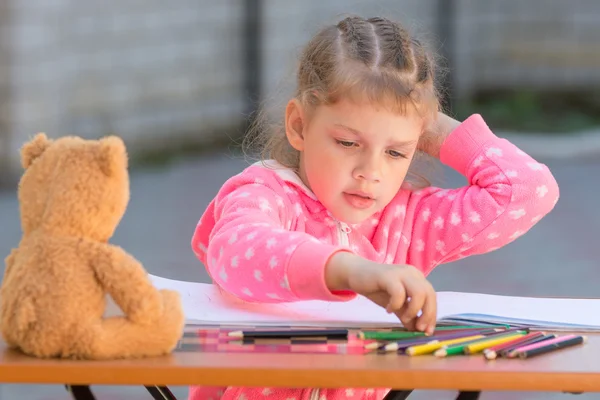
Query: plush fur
[72, 196]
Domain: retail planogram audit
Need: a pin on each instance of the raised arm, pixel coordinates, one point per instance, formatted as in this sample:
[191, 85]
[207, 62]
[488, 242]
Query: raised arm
[507, 192]
[245, 244]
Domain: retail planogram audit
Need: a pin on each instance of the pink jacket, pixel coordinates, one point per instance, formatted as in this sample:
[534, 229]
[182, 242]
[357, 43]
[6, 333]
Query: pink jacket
[266, 238]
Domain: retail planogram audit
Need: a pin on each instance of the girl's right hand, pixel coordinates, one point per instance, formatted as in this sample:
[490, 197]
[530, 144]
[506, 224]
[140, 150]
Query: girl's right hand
[401, 289]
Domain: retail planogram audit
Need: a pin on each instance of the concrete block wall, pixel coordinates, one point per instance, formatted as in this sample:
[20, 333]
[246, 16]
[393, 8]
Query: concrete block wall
[154, 71]
[537, 44]
[149, 70]
[289, 25]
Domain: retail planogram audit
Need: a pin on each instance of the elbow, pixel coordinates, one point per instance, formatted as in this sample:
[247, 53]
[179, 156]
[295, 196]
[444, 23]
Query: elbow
[223, 281]
[237, 286]
[537, 196]
[546, 193]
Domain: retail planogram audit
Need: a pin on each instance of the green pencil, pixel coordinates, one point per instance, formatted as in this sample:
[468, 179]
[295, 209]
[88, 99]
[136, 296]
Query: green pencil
[460, 348]
[399, 335]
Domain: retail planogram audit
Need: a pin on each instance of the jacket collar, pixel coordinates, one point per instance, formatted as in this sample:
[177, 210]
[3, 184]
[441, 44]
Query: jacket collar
[287, 175]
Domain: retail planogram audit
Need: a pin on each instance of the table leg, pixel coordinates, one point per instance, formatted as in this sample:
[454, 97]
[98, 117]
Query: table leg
[398, 395]
[80, 392]
[161, 393]
[468, 395]
[403, 395]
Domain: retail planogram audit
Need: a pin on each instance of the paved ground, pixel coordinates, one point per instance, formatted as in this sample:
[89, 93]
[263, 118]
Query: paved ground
[557, 258]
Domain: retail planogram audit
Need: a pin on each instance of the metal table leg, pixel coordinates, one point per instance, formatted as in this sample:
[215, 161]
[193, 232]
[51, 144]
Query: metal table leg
[83, 392]
[468, 395]
[398, 395]
[403, 395]
[161, 393]
[80, 392]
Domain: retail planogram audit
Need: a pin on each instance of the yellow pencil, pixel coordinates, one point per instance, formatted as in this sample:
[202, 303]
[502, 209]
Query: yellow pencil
[428, 348]
[484, 344]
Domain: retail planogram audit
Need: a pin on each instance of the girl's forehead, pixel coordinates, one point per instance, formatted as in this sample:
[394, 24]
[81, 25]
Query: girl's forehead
[370, 121]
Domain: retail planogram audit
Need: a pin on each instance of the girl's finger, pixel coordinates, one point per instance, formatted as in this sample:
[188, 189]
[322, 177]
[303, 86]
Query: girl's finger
[418, 295]
[382, 299]
[427, 320]
[408, 323]
[397, 295]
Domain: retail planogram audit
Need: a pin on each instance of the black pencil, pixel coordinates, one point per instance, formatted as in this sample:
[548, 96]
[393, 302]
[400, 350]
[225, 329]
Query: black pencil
[552, 346]
[325, 333]
[508, 351]
[492, 352]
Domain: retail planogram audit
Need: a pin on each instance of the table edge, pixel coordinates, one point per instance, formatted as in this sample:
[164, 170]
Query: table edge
[411, 379]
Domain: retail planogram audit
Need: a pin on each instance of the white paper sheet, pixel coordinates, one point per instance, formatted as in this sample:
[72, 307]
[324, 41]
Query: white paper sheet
[206, 304]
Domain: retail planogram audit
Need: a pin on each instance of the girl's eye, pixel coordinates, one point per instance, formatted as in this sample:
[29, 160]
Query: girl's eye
[345, 143]
[396, 154]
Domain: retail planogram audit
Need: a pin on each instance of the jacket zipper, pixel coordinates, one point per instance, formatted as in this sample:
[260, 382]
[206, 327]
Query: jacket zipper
[342, 232]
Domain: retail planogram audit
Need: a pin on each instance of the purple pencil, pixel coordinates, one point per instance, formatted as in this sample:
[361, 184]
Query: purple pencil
[403, 344]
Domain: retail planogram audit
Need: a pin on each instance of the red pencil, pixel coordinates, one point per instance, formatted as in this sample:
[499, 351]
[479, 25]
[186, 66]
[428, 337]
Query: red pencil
[547, 346]
[509, 353]
[492, 352]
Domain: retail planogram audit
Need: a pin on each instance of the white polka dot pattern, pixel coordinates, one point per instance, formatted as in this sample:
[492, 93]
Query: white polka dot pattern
[265, 239]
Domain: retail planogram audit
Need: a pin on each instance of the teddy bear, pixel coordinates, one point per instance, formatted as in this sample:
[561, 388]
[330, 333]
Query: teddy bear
[72, 196]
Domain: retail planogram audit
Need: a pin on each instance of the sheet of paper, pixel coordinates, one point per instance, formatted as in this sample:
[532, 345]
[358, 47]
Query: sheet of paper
[544, 312]
[207, 304]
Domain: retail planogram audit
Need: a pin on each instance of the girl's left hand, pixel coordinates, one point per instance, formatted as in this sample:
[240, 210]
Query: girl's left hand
[435, 133]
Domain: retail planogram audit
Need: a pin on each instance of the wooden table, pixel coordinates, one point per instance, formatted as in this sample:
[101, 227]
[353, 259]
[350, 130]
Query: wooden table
[576, 369]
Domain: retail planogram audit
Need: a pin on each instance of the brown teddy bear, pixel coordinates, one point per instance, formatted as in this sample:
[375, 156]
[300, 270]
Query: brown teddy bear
[72, 196]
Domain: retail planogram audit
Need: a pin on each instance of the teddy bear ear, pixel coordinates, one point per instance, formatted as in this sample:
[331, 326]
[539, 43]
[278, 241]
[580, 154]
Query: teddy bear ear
[34, 148]
[112, 155]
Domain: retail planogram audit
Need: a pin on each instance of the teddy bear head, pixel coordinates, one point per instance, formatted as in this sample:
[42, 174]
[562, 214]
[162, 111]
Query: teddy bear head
[72, 186]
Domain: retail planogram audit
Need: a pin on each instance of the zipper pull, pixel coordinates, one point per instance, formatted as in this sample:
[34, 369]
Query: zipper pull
[344, 227]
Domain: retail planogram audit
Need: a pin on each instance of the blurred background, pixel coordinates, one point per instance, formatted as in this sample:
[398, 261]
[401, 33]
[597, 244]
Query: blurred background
[179, 80]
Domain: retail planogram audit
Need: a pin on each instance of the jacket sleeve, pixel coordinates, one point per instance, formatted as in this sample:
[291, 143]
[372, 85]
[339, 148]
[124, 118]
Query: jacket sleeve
[507, 193]
[252, 255]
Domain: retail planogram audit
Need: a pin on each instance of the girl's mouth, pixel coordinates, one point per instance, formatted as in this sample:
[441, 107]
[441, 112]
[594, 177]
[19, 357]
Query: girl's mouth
[359, 200]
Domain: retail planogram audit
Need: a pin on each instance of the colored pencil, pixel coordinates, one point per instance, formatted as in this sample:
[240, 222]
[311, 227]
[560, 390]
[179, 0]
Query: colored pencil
[312, 333]
[431, 347]
[402, 344]
[396, 335]
[460, 348]
[510, 353]
[392, 335]
[492, 353]
[544, 347]
[515, 352]
[488, 342]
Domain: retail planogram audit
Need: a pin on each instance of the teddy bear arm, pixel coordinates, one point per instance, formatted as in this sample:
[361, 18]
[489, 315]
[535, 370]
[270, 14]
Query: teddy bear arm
[127, 282]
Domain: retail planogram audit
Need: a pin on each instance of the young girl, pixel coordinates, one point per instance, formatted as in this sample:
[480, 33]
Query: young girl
[329, 215]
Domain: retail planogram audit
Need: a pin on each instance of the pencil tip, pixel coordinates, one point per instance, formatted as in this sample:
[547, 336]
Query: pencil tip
[391, 347]
[440, 353]
[372, 346]
[236, 334]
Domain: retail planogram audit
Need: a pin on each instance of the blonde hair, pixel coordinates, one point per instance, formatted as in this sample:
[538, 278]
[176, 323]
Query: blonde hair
[374, 60]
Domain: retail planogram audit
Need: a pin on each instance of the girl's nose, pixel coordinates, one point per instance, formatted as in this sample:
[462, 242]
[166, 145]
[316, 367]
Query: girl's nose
[369, 170]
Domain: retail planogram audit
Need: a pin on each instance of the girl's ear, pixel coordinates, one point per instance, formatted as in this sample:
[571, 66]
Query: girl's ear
[294, 124]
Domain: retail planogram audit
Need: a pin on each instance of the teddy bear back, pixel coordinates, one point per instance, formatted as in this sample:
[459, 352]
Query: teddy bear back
[73, 186]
